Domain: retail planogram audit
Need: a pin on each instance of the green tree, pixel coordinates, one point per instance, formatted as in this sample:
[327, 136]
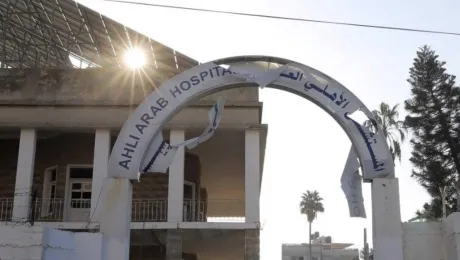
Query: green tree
[437, 181]
[387, 118]
[434, 110]
[310, 205]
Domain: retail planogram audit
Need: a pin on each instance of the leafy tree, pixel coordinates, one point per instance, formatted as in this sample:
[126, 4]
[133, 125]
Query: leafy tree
[393, 129]
[433, 211]
[434, 111]
[310, 205]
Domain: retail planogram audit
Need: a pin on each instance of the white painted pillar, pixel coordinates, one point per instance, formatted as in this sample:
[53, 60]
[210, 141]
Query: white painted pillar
[252, 175]
[115, 218]
[100, 167]
[24, 174]
[176, 179]
[386, 220]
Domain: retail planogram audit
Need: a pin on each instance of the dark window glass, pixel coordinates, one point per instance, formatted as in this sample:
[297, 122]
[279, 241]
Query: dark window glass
[76, 195]
[53, 191]
[81, 173]
[53, 175]
[51, 206]
[86, 195]
[188, 192]
[76, 186]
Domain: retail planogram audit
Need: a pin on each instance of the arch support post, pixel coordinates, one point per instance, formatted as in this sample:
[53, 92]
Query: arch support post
[100, 171]
[252, 244]
[114, 214]
[386, 220]
[176, 179]
[176, 197]
[252, 175]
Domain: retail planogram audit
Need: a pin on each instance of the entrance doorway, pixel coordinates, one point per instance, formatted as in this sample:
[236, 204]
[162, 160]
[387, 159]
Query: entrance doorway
[78, 194]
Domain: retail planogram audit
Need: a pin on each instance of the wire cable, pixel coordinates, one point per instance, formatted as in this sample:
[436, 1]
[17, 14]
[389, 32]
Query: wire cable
[288, 18]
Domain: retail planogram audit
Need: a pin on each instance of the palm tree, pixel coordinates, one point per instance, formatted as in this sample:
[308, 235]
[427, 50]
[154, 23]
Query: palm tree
[393, 129]
[310, 205]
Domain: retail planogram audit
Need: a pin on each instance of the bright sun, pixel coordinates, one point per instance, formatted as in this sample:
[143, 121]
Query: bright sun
[134, 58]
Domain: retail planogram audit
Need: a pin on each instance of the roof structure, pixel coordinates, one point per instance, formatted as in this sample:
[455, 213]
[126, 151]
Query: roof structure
[66, 34]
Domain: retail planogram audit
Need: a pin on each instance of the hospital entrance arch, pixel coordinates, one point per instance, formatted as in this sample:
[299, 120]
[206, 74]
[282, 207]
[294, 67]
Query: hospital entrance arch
[252, 71]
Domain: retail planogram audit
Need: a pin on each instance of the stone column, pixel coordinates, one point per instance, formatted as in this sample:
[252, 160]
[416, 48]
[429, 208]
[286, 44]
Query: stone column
[386, 220]
[114, 215]
[100, 167]
[252, 244]
[24, 174]
[174, 244]
[252, 175]
[176, 179]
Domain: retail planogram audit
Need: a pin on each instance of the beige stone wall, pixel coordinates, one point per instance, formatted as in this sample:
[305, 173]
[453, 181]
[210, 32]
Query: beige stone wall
[89, 87]
[101, 98]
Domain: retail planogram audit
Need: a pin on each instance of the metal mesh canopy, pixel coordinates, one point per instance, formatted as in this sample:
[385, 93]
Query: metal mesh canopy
[66, 34]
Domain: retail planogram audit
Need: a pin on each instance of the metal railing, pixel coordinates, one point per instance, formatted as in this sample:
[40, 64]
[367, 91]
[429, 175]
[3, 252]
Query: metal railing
[149, 210]
[6, 209]
[214, 210]
[143, 210]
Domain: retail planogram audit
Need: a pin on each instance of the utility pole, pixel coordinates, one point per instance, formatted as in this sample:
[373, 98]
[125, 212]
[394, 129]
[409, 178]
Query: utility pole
[366, 246]
[321, 248]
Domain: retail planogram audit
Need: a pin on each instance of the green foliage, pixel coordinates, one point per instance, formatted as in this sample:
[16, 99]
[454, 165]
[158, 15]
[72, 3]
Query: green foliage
[311, 204]
[434, 111]
[393, 129]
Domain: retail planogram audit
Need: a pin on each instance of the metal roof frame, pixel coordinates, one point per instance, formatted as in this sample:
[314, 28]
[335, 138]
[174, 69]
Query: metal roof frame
[52, 33]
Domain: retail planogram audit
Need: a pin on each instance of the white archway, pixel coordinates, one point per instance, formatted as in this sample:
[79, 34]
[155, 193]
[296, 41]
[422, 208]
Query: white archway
[129, 155]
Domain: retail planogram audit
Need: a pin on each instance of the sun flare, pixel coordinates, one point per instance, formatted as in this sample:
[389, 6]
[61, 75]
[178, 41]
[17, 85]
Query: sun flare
[134, 58]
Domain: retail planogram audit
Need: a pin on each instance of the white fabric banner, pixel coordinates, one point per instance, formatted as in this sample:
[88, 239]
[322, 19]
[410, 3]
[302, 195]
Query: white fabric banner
[375, 144]
[264, 78]
[352, 186]
[161, 153]
[214, 116]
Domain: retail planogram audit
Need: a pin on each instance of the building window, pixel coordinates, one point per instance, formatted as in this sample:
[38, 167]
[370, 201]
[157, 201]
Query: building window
[80, 195]
[76, 172]
[49, 191]
[80, 178]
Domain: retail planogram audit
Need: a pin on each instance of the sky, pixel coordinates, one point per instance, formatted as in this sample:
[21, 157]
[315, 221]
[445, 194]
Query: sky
[306, 148]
